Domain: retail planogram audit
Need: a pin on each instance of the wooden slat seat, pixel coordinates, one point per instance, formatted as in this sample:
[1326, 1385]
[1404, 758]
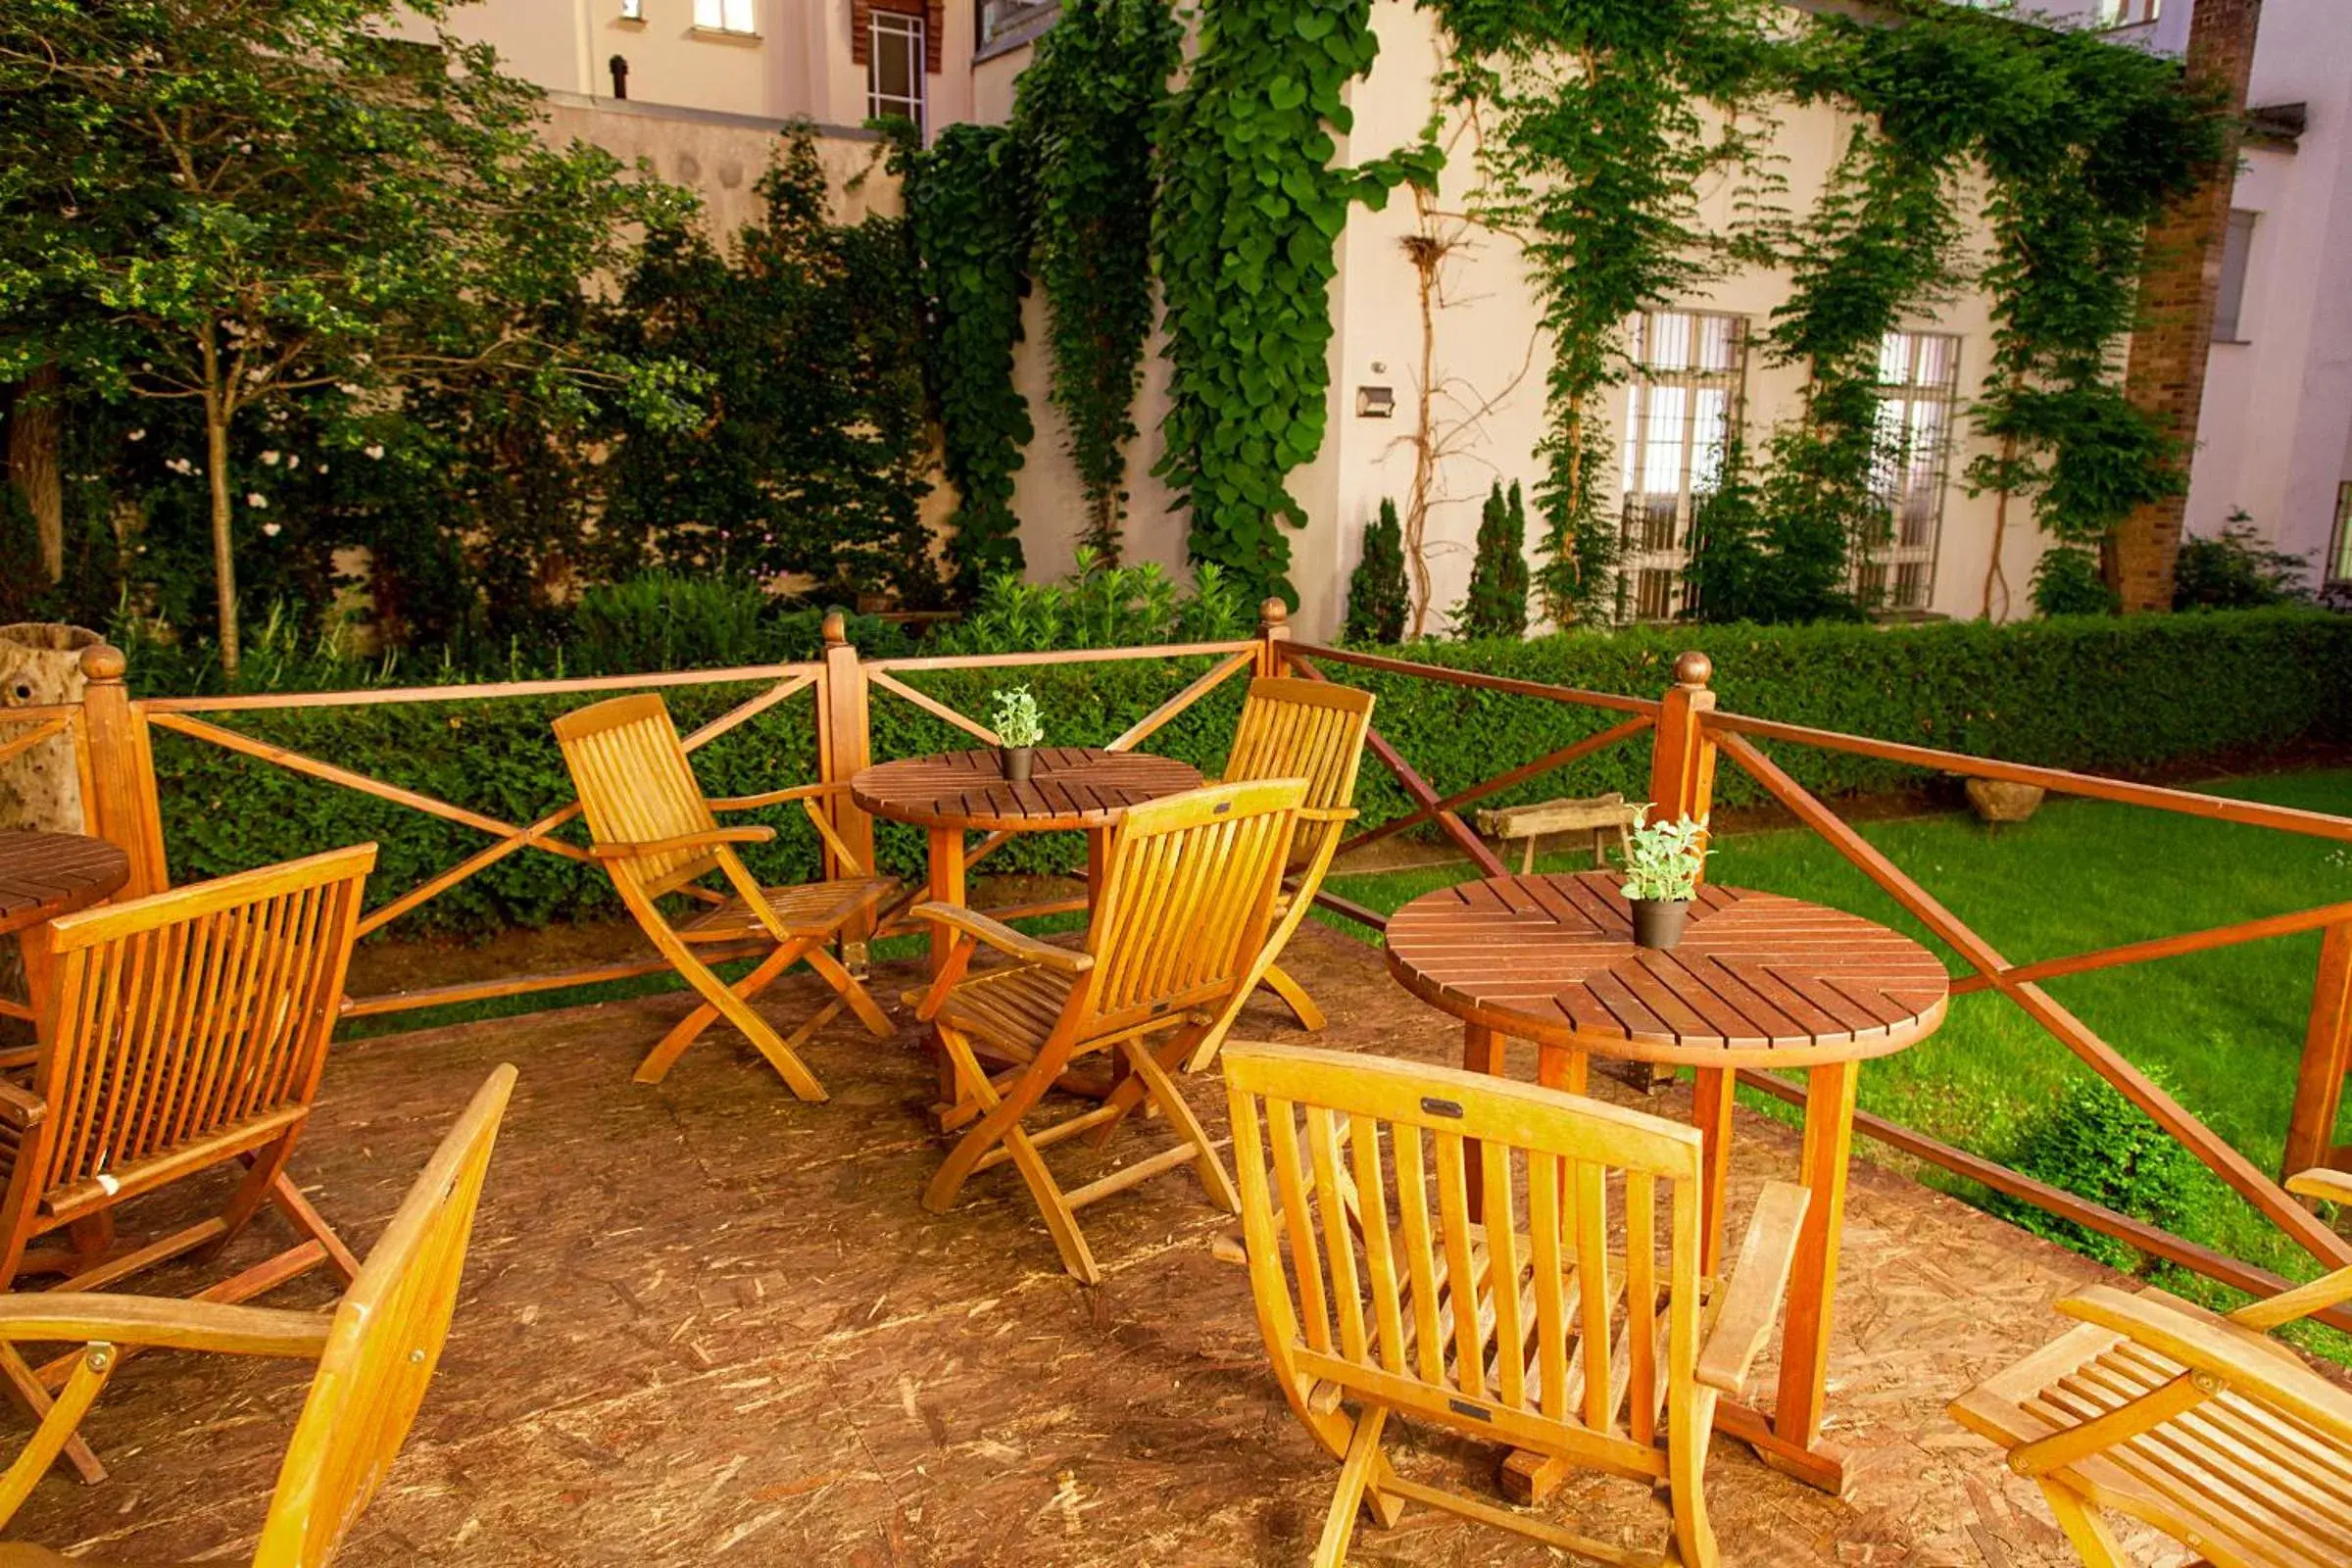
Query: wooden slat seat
[1374, 1288]
[1177, 941]
[2200, 1425]
[655, 833]
[375, 1350]
[1312, 731]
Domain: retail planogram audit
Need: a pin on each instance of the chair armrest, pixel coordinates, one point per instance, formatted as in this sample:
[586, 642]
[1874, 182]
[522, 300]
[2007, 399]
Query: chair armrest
[1753, 1289]
[708, 838]
[2249, 1363]
[1328, 814]
[2330, 1186]
[179, 1325]
[1002, 936]
[799, 792]
[20, 1108]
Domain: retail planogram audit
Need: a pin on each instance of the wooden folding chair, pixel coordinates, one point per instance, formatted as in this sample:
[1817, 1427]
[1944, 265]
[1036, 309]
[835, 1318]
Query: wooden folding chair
[655, 833]
[1312, 730]
[1575, 1343]
[177, 1033]
[375, 1350]
[2203, 1426]
[1178, 931]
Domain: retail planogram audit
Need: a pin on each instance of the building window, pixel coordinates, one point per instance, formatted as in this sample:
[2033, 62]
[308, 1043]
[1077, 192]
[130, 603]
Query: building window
[2128, 13]
[1919, 388]
[894, 67]
[2339, 544]
[725, 15]
[2229, 310]
[1680, 414]
[632, 10]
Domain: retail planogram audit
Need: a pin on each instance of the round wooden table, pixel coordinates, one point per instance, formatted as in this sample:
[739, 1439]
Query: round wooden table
[1071, 789]
[43, 875]
[1759, 982]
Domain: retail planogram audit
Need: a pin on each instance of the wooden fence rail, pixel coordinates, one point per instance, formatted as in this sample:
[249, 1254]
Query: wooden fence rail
[113, 738]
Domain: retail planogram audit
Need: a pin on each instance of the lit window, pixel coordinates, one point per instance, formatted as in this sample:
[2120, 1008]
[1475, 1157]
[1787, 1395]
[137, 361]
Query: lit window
[1919, 388]
[2339, 549]
[894, 68]
[2128, 13]
[2229, 310]
[1681, 411]
[632, 10]
[725, 15]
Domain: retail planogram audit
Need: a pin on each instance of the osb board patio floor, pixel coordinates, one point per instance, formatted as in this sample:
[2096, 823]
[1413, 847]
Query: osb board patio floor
[705, 1323]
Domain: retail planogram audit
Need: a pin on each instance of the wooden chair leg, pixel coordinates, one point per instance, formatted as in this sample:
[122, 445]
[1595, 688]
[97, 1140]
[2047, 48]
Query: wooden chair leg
[1294, 997]
[264, 1166]
[308, 1220]
[1686, 1441]
[845, 985]
[737, 1012]
[29, 1391]
[1355, 1474]
[2085, 1526]
[687, 1030]
[1172, 1105]
[1001, 1124]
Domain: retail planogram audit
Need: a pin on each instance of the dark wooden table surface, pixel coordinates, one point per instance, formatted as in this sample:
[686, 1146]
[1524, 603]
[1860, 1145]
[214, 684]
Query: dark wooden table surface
[43, 875]
[1759, 982]
[1071, 787]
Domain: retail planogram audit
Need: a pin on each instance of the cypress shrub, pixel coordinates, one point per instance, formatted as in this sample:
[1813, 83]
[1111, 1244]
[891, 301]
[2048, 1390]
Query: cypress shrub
[1376, 596]
[1497, 603]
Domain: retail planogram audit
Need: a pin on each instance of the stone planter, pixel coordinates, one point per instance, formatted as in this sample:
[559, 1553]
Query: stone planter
[1999, 801]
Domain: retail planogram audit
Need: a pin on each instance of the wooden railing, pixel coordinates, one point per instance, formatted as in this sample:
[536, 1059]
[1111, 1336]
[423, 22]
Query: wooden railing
[112, 734]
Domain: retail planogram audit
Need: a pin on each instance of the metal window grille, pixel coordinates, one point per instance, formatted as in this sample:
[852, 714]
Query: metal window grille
[894, 68]
[1683, 404]
[1919, 390]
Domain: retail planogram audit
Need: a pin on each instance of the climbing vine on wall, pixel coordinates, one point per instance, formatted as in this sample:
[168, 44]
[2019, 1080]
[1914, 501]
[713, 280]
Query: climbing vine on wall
[1250, 211]
[1087, 108]
[967, 214]
[1608, 117]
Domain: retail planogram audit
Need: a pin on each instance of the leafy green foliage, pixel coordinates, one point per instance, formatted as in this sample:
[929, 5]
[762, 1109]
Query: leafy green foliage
[1497, 603]
[1087, 107]
[2067, 581]
[1100, 605]
[1015, 716]
[967, 210]
[2097, 1145]
[1250, 212]
[277, 204]
[2235, 569]
[1663, 860]
[811, 332]
[1377, 602]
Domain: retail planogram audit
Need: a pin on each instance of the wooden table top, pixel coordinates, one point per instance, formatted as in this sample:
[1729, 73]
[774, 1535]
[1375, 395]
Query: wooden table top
[1070, 787]
[43, 875]
[1759, 980]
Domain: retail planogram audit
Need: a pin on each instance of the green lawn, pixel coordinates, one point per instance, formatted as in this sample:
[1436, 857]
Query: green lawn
[2226, 1026]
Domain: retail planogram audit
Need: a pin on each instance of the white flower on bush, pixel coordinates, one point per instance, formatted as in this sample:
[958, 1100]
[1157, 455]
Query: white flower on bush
[257, 500]
[375, 450]
[138, 435]
[271, 458]
[181, 465]
[273, 529]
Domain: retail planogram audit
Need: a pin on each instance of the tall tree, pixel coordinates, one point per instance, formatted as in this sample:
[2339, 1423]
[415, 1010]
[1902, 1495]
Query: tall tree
[2180, 289]
[239, 206]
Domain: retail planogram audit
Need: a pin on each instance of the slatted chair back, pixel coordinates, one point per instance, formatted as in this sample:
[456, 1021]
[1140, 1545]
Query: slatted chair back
[1187, 900]
[636, 787]
[1304, 729]
[185, 1027]
[380, 1352]
[1355, 1186]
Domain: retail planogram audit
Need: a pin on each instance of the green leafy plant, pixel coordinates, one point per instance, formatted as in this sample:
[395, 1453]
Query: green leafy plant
[1087, 108]
[1497, 603]
[2236, 570]
[1099, 605]
[1250, 212]
[1663, 860]
[2097, 1145]
[2067, 582]
[967, 201]
[1377, 602]
[1015, 717]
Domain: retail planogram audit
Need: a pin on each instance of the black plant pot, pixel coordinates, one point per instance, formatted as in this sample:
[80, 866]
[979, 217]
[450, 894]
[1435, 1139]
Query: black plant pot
[1658, 922]
[1016, 760]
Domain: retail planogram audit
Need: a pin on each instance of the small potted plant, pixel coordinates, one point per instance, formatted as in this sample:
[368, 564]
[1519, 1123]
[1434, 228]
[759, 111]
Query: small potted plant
[1662, 862]
[1018, 730]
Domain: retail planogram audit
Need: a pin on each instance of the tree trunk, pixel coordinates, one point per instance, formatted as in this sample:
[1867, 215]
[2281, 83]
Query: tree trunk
[32, 464]
[225, 561]
[2180, 284]
[40, 665]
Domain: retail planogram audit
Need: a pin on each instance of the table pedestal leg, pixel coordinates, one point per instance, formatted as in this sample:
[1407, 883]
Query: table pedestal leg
[1711, 1113]
[32, 948]
[945, 866]
[1482, 1051]
[1789, 1438]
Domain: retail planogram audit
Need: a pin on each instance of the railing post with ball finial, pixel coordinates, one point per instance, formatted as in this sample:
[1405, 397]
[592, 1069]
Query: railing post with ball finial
[844, 744]
[1273, 630]
[122, 808]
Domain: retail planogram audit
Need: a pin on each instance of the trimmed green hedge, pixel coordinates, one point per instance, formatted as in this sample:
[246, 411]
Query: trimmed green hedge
[2100, 694]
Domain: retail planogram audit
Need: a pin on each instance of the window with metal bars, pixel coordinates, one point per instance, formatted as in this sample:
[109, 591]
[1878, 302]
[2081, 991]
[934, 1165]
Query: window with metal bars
[2340, 545]
[894, 68]
[1919, 389]
[1681, 410]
